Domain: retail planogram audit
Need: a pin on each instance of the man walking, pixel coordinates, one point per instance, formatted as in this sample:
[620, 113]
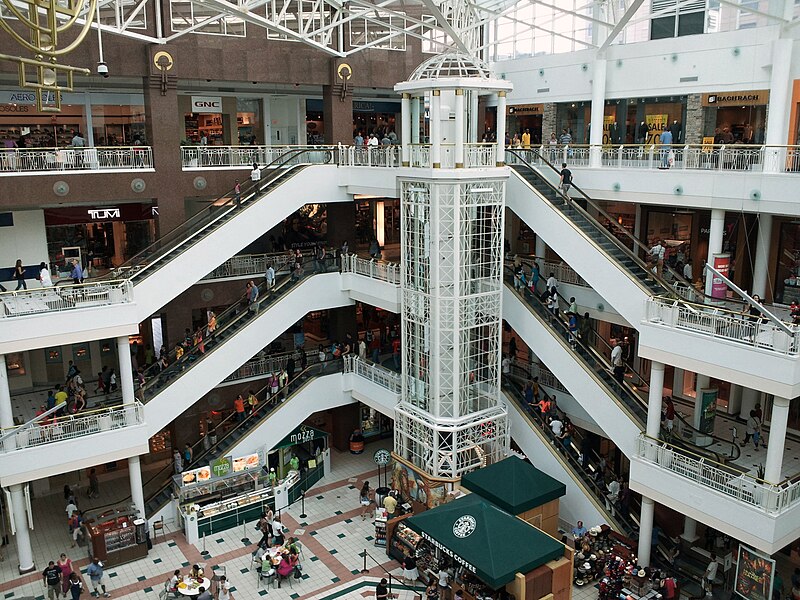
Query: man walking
[52, 580]
[657, 253]
[95, 573]
[270, 278]
[566, 181]
[616, 361]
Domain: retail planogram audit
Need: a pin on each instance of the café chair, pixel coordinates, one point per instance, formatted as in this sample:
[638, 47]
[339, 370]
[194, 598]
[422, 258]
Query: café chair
[168, 592]
[270, 576]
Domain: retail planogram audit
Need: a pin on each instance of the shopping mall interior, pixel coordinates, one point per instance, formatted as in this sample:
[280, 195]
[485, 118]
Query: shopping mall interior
[423, 319]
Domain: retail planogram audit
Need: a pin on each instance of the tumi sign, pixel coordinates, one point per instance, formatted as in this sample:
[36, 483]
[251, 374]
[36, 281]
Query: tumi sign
[206, 104]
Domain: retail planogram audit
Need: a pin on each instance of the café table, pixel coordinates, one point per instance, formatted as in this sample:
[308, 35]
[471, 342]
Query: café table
[191, 587]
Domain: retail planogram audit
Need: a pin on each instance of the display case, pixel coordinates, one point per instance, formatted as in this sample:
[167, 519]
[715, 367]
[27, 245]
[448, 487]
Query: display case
[404, 542]
[116, 538]
[380, 531]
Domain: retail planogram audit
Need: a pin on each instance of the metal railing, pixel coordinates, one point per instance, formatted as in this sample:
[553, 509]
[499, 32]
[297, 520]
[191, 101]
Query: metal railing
[370, 156]
[70, 427]
[65, 297]
[29, 160]
[269, 365]
[242, 157]
[719, 157]
[563, 273]
[546, 377]
[722, 323]
[375, 269]
[769, 497]
[251, 264]
[373, 372]
[420, 155]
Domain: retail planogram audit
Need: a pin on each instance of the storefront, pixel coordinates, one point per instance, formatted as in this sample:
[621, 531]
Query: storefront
[787, 262]
[625, 120]
[221, 120]
[116, 536]
[473, 536]
[304, 449]
[103, 119]
[100, 237]
[522, 117]
[369, 116]
[735, 117]
[377, 218]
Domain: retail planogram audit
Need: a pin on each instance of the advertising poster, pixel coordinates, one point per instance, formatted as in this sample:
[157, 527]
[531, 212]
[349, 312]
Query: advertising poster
[244, 463]
[755, 575]
[722, 263]
[195, 476]
[708, 398]
[221, 466]
[656, 124]
[708, 144]
[416, 487]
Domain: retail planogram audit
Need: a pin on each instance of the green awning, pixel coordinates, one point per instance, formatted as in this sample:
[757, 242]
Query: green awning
[514, 485]
[487, 540]
[301, 435]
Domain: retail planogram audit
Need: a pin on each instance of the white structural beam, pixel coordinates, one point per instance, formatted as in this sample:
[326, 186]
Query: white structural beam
[620, 25]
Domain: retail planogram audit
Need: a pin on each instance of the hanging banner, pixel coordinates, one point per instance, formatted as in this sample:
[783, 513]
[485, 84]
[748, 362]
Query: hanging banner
[708, 408]
[755, 575]
[656, 124]
[722, 263]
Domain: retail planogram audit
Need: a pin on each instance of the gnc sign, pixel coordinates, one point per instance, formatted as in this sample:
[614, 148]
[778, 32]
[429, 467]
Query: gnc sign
[206, 104]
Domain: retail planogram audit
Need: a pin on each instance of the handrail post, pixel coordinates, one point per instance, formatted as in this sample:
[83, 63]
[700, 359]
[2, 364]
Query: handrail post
[721, 161]
[685, 157]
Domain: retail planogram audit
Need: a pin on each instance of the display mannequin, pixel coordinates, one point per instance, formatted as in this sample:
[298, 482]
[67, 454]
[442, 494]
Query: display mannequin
[641, 134]
[675, 130]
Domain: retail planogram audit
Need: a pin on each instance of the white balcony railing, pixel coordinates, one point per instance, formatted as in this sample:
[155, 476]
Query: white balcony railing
[34, 160]
[722, 324]
[243, 157]
[769, 497]
[564, 273]
[706, 157]
[269, 365]
[243, 265]
[72, 426]
[65, 297]
[373, 372]
[375, 269]
[370, 156]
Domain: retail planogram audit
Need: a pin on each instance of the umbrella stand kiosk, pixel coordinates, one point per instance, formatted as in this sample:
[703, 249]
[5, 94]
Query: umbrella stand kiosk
[491, 550]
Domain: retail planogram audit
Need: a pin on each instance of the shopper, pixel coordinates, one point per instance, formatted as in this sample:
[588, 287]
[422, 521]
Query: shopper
[616, 361]
[410, 572]
[177, 460]
[223, 589]
[565, 181]
[77, 273]
[381, 591]
[710, 575]
[65, 564]
[75, 586]
[52, 580]
[269, 277]
[237, 193]
[44, 275]
[255, 174]
[94, 484]
[364, 500]
[238, 406]
[19, 275]
[95, 573]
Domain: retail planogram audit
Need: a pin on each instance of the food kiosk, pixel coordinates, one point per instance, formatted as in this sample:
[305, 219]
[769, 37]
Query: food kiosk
[521, 489]
[116, 536]
[490, 550]
[228, 492]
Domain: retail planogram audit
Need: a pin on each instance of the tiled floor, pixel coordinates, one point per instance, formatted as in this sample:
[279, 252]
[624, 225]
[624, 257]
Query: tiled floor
[333, 537]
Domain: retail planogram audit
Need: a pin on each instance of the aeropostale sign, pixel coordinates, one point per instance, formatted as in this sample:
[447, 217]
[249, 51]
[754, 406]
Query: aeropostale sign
[206, 104]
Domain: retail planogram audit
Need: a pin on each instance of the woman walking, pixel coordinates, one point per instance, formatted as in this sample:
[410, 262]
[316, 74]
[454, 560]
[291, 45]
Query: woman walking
[65, 564]
[364, 500]
[19, 275]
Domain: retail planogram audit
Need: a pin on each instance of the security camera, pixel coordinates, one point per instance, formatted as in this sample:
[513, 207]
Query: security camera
[102, 69]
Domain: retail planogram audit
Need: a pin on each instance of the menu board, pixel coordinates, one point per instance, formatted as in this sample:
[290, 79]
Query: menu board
[194, 476]
[244, 463]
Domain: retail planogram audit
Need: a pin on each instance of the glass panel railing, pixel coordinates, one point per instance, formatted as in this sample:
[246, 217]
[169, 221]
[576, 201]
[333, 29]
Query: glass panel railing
[218, 212]
[623, 393]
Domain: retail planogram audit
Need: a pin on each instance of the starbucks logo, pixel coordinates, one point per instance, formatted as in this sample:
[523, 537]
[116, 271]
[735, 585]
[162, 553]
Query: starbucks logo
[464, 526]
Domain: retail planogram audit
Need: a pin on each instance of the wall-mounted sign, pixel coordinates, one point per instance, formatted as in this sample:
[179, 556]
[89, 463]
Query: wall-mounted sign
[749, 98]
[71, 215]
[206, 104]
[243, 463]
[301, 435]
[222, 466]
[526, 109]
[103, 214]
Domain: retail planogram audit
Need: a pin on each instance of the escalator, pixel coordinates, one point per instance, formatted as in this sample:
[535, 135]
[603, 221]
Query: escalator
[223, 228]
[593, 249]
[197, 366]
[593, 384]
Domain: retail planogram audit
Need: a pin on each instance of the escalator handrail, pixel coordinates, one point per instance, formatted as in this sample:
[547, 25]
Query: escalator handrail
[152, 373]
[590, 201]
[638, 408]
[249, 189]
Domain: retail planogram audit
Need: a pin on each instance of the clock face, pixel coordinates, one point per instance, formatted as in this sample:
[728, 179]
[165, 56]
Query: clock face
[382, 457]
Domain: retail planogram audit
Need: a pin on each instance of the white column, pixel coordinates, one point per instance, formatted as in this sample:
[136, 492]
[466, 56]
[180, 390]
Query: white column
[646, 531]
[777, 439]
[23, 535]
[460, 126]
[689, 530]
[750, 398]
[541, 248]
[474, 135]
[700, 382]
[125, 370]
[598, 108]
[266, 125]
[6, 411]
[137, 490]
[654, 399]
[415, 112]
[501, 129]
[405, 129]
[637, 228]
[436, 129]
[714, 242]
[778, 111]
[762, 255]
